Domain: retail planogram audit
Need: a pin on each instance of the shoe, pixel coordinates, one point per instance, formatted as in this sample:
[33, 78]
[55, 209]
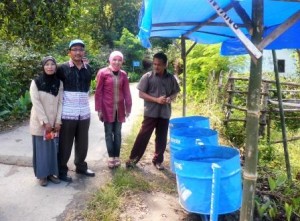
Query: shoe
[43, 182]
[159, 166]
[65, 178]
[54, 179]
[117, 162]
[111, 163]
[87, 172]
[130, 164]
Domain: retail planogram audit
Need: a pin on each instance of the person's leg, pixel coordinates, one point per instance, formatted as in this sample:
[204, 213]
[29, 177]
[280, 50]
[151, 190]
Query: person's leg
[161, 135]
[142, 139]
[108, 130]
[34, 154]
[117, 127]
[66, 137]
[81, 144]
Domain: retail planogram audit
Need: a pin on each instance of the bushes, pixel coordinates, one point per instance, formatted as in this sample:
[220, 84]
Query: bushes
[134, 77]
[10, 89]
[22, 106]
[18, 65]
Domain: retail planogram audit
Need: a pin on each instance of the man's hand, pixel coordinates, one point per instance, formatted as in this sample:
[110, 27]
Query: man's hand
[161, 100]
[168, 100]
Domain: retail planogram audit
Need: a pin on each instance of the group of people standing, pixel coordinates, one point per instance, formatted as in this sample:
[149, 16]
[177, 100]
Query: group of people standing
[60, 115]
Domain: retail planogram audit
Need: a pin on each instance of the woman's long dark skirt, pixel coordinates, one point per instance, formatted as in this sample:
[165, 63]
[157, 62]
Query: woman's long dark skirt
[44, 157]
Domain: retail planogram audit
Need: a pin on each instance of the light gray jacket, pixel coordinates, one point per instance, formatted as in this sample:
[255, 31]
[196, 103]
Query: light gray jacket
[46, 108]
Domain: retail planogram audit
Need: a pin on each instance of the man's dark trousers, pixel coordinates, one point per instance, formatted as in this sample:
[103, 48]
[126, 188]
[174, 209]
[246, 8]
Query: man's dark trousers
[70, 130]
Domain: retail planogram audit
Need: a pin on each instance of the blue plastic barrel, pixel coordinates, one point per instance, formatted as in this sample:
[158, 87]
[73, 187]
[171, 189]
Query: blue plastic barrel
[209, 179]
[188, 122]
[189, 137]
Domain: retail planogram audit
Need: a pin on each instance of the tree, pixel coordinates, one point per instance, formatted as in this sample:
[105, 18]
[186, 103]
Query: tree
[130, 47]
[110, 17]
[200, 62]
[36, 22]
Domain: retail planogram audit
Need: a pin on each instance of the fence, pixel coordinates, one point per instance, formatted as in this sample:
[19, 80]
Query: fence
[235, 93]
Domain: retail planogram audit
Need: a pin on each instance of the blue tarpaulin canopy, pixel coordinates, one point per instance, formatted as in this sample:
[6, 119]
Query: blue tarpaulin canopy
[288, 40]
[198, 21]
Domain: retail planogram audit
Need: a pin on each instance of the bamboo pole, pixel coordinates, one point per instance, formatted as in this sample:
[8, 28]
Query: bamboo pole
[252, 124]
[282, 120]
[183, 57]
[264, 111]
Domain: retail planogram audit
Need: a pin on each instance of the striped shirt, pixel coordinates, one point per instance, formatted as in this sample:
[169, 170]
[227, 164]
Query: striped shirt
[76, 90]
[76, 106]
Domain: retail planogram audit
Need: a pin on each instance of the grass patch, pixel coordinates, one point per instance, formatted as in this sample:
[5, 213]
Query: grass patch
[106, 203]
[129, 140]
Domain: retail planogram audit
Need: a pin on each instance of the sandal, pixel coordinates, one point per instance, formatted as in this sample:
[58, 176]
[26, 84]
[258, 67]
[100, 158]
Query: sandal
[117, 162]
[111, 163]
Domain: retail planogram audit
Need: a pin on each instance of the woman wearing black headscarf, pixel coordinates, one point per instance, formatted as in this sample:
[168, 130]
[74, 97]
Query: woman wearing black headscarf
[46, 93]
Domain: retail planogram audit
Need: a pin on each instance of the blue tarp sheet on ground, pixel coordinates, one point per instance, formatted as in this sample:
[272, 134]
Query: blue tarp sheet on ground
[174, 18]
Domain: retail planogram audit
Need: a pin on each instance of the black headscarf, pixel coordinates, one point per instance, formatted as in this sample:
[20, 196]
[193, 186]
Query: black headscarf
[48, 83]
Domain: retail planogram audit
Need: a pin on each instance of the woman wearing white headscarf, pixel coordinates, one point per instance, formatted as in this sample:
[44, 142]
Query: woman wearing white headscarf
[113, 103]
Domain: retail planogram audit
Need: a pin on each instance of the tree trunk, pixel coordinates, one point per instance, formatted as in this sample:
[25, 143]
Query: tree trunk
[252, 124]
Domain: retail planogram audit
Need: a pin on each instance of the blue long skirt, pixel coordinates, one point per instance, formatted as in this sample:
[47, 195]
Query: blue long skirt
[44, 157]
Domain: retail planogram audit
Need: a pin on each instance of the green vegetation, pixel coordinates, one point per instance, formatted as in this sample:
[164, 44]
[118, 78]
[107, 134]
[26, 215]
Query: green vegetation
[107, 201]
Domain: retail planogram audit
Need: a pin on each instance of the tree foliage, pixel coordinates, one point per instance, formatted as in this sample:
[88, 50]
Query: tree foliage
[201, 61]
[109, 17]
[36, 22]
[130, 47]
[18, 65]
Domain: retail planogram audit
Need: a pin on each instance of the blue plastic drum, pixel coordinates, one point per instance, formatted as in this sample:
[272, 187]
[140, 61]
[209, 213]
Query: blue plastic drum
[189, 137]
[188, 122]
[209, 179]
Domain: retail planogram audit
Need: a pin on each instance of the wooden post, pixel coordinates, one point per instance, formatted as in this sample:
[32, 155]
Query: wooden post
[230, 87]
[253, 101]
[282, 119]
[183, 57]
[269, 120]
[211, 87]
[220, 87]
[220, 82]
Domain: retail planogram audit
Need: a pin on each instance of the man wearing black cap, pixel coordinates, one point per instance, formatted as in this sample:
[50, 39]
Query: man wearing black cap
[76, 77]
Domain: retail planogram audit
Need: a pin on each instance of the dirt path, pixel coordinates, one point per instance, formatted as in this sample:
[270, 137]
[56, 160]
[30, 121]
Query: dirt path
[158, 206]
